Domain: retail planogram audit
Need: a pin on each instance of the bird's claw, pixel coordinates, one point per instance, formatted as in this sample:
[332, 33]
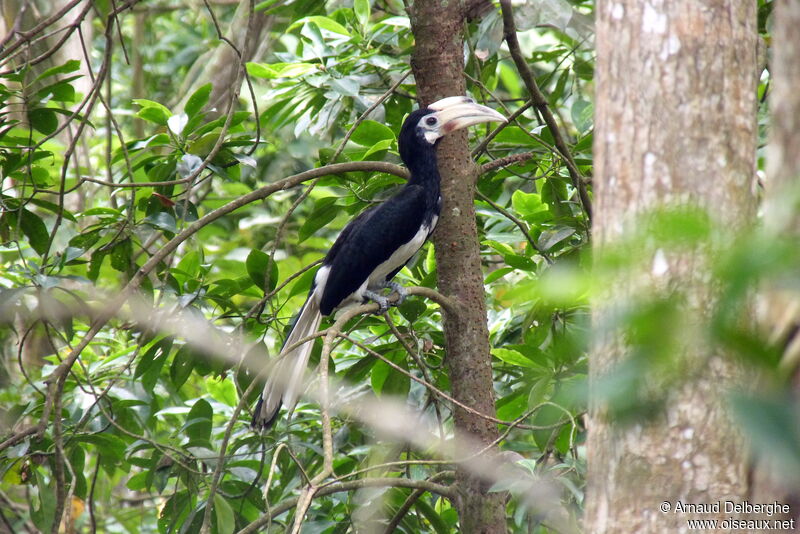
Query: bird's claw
[383, 302]
[400, 290]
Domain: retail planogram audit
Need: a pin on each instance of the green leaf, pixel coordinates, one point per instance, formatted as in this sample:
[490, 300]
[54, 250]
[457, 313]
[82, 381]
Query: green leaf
[520, 262]
[552, 236]
[513, 357]
[198, 422]
[203, 144]
[358, 371]
[411, 309]
[280, 70]
[190, 263]
[70, 66]
[153, 115]
[400, 21]
[325, 210]
[174, 512]
[163, 220]
[261, 70]
[261, 6]
[44, 515]
[224, 514]
[345, 86]
[433, 518]
[362, 11]
[197, 101]
[370, 132]
[70, 114]
[151, 362]
[389, 381]
[152, 111]
[122, 255]
[182, 365]
[497, 274]
[44, 120]
[102, 211]
[95, 263]
[111, 447]
[77, 460]
[582, 112]
[61, 90]
[54, 208]
[262, 270]
[324, 23]
[525, 203]
[190, 214]
[137, 482]
[380, 146]
[35, 230]
[223, 391]
[41, 177]
[512, 405]
[294, 70]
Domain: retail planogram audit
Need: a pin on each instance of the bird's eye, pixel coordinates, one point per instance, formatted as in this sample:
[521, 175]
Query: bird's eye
[431, 121]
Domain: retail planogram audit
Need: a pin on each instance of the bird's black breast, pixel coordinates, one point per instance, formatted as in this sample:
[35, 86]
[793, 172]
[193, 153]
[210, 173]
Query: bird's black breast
[370, 239]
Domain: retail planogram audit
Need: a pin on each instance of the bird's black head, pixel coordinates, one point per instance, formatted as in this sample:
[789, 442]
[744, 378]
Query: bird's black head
[424, 127]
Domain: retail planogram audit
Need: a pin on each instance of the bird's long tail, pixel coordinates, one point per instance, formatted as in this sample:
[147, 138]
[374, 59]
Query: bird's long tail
[286, 378]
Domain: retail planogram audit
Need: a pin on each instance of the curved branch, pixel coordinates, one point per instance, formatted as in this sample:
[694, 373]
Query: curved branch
[439, 489]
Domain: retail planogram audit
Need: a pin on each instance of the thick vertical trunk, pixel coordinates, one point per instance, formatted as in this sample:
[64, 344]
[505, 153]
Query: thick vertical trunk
[675, 123]
[781, 316]
[438, 66]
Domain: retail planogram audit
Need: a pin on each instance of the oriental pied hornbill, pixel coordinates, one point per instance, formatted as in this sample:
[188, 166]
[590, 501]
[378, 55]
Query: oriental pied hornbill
[374, 246]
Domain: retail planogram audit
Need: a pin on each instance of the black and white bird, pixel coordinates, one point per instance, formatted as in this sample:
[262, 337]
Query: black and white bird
[374, 246]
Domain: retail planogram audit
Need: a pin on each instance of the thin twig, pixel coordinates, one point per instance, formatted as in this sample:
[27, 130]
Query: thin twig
[510, 34]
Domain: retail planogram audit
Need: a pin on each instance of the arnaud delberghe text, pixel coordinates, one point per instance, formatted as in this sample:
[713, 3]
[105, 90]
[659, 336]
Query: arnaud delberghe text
[732, 507]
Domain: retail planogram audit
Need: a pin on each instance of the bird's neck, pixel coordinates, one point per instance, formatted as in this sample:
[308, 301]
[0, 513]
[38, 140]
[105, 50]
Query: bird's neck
[425, 172]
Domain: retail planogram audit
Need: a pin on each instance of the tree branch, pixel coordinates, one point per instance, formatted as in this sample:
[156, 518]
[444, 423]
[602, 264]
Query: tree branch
[425, 485]
[510, 34]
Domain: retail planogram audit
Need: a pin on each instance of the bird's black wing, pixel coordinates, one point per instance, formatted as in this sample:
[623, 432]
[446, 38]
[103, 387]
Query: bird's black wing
[369, 240]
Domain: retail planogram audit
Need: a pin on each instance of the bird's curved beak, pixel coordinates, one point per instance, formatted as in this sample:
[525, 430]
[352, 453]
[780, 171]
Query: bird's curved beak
[457, 112]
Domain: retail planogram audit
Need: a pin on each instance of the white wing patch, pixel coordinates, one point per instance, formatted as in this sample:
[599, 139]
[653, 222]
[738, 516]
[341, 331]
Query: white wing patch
[320, 280]
[399, 258]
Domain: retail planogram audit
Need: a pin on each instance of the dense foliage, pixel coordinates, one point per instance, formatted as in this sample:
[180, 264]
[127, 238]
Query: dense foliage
[108, 192]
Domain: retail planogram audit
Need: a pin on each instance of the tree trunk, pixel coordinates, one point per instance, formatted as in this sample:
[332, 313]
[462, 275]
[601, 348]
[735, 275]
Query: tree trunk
[438, 65]
[675, 124]
[781, 317]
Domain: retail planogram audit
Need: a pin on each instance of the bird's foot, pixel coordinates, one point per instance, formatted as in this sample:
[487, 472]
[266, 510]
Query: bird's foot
[383, 302]
[399, 289]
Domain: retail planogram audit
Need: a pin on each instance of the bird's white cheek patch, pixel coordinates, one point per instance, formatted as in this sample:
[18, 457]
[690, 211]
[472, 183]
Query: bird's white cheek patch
[431, 136]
